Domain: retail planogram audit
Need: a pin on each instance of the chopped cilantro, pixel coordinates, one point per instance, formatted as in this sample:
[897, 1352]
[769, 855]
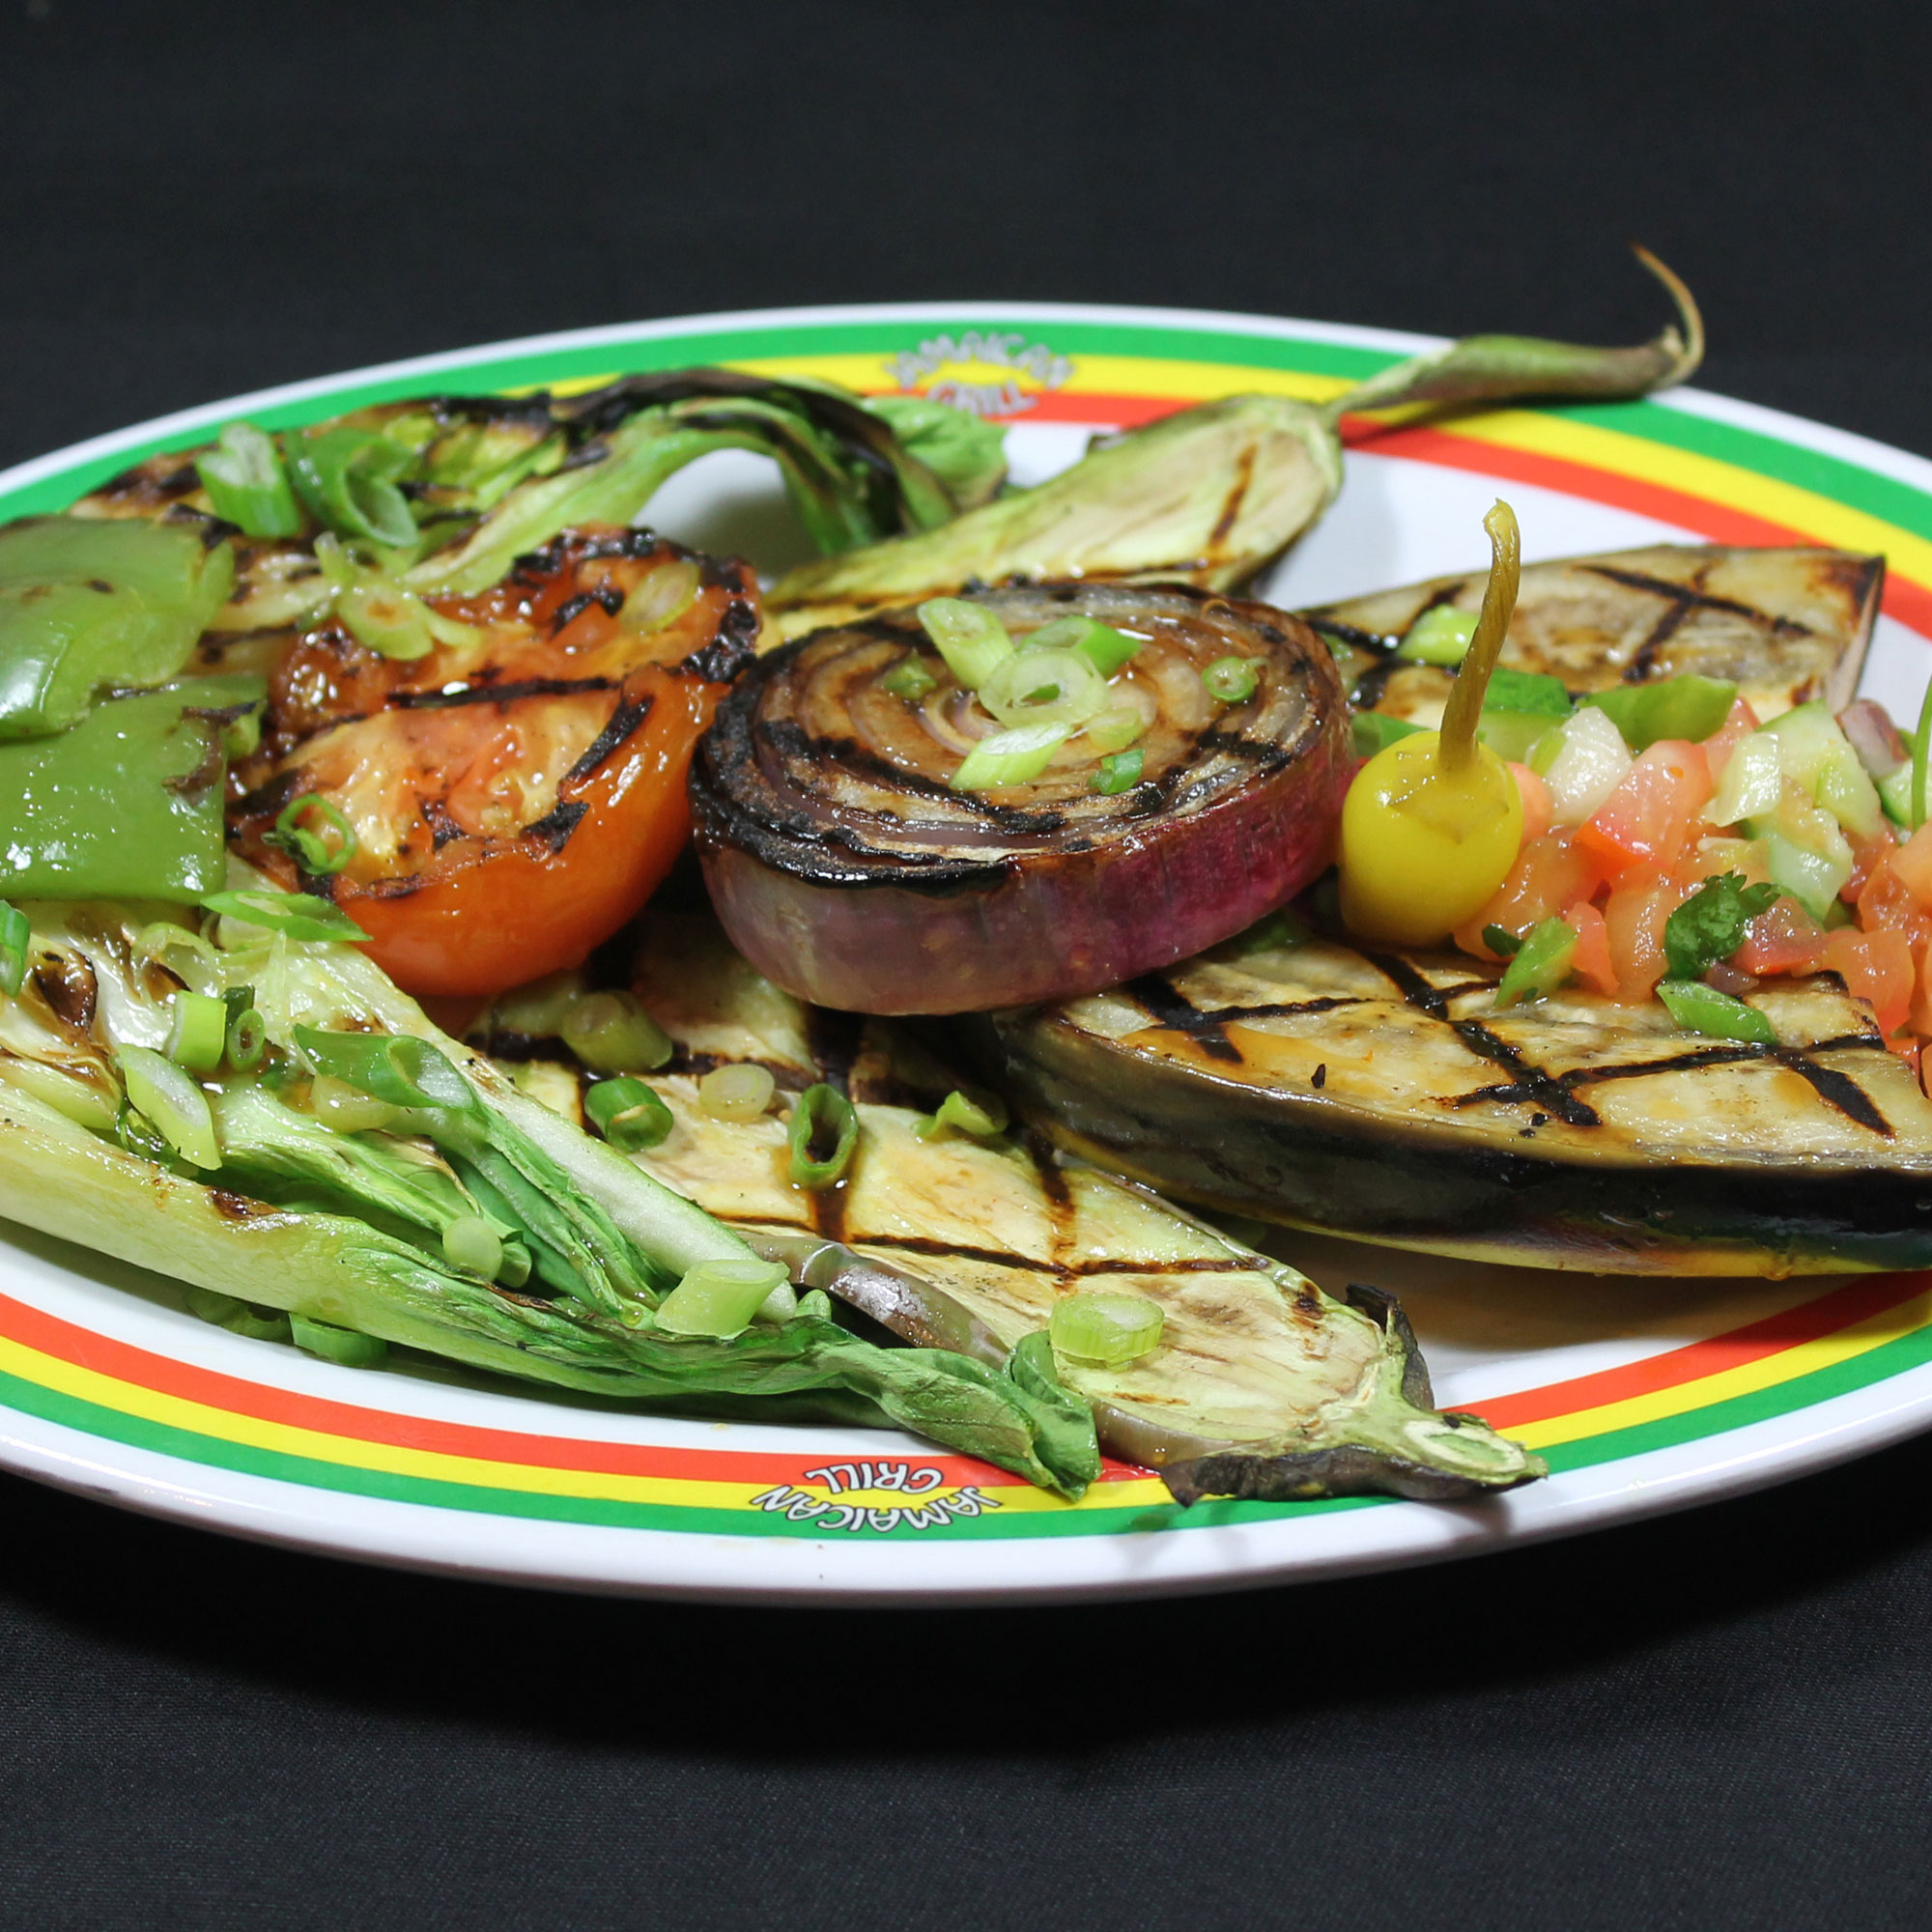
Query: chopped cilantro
[1710, 925]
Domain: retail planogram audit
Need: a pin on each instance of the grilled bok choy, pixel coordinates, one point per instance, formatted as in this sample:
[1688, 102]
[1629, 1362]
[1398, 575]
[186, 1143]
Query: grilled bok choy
[1210, 495]
[954, 1233]
[270, 1120]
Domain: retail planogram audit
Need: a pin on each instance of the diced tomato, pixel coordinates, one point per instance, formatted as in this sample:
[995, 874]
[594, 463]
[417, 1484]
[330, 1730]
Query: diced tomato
[1647, 820]
[1740, 724]
[1549, 876]
[1783, 939]
[1633, 920]
[1535, 795]
[1884, 903]
[1866, 854]
[1919, 1018]
[1876, 967]
[1913, 863]
[1911, 1052]
[1591, 961]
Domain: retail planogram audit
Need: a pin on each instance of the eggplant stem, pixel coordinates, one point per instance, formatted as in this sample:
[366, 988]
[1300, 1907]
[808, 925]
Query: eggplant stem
[1463, 711]
[1494, 368]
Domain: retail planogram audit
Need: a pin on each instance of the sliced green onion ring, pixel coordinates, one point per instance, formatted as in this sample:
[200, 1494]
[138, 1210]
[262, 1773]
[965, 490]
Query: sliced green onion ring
[1115, 729]
[321, 852]
[347, 1347]
[909, 679]
[294, 914]
[1105, 648]
[1119, 771]
[1044, 688]
[611, 1033]
[246, 484]
[970, 640]
[1009, 758]
[1231, 680]
[720, 1298]
[822, 1113]
[347, 477]
[978, 1114]
[239, 1318]
[248, 1039]
[197, 1031]
[1105, 1330]
[171, 1103]
[470, 1243]
[628, 1114]
[741, 1092]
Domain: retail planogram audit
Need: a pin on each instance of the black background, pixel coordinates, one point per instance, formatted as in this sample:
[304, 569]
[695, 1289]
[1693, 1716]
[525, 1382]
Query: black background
[1717, 1719]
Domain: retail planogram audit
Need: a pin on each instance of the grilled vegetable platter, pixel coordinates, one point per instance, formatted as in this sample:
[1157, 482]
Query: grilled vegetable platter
[446, 916]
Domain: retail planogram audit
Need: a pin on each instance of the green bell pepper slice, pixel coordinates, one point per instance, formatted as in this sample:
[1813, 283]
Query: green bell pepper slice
[90, 602]
[1673, 707]
[126, 803]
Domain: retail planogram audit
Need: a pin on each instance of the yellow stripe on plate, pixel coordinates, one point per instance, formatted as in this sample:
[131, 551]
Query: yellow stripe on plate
[1748, 1378]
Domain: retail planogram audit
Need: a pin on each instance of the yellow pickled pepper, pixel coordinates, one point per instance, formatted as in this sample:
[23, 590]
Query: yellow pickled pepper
[1433, 823]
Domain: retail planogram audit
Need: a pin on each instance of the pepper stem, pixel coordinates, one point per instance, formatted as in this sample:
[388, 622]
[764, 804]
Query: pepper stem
[1489, 368]
[1458, 740]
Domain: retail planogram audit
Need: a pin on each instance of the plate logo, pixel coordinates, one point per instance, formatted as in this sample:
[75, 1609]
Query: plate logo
[876, 1498]
[991, 372]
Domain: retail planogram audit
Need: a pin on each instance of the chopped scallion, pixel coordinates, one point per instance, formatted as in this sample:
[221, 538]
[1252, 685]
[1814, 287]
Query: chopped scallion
[1009, 758]
[970, 640]
[345, 1347]
[628, 1114]
[822, 1116]
[1106, 1331]
[1922, 750]
[246, 484]
[239, 1318]
[294, 914]
[1044, 688]
[321, 850]
[978, 1114]
[197, 1031]
[611, 1033]
[719, 1298]
[15, 935]
[1441, 636]
[1104, 647]
[1231, 680]
[347, 477]
[1115, 729]
[1119, 771]
[246, 1041]
[741, 1092]
[171, 1103]
[909, 679]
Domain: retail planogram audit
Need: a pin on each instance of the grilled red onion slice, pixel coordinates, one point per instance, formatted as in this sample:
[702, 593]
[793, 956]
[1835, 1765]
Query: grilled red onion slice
[845, 868]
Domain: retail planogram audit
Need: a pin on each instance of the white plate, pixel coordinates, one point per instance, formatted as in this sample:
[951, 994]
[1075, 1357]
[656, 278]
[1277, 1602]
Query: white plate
[1646, 1395]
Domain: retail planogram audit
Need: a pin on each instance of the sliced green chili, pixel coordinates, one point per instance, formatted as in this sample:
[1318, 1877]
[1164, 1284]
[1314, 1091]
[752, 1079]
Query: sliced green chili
[246, 484]
[822, 1113]
[1540, 964]
[171, 1103]
[1702, 1009]
[628, 1114]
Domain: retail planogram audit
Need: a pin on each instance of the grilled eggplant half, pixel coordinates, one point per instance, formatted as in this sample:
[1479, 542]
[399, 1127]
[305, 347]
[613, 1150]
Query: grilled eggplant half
[1786, 626]
[1262, 1387]
[1379, 1095]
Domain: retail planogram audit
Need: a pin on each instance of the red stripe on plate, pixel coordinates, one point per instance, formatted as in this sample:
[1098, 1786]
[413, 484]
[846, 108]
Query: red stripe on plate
[231, 1395]
[1842, 1307]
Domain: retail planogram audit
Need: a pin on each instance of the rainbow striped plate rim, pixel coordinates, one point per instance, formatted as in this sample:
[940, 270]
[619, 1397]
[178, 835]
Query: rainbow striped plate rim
[108, 1387]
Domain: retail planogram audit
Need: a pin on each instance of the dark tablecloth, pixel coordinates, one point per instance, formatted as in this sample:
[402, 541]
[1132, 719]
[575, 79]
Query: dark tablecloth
[1711, 1721]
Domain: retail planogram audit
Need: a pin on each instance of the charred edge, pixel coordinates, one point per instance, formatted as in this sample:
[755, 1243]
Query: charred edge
[734, 646]
[1349, 1469]
[235, 1207]
[534, 567]
[625, 721]
[1415, 990]
[1386, 1313]
[442, 828]
[1168, 1007]
[1053, 1188]
[1371, 641]
[213, 764]
[498, 693]
[1668, 623]
[1263, 752]
[1692, 598]
[269, 800]
[67, 984]
[1104, 1265]
[785, 1077]
[1207, 1018]
[834, 1038]
[606, 597]
[554, 828]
